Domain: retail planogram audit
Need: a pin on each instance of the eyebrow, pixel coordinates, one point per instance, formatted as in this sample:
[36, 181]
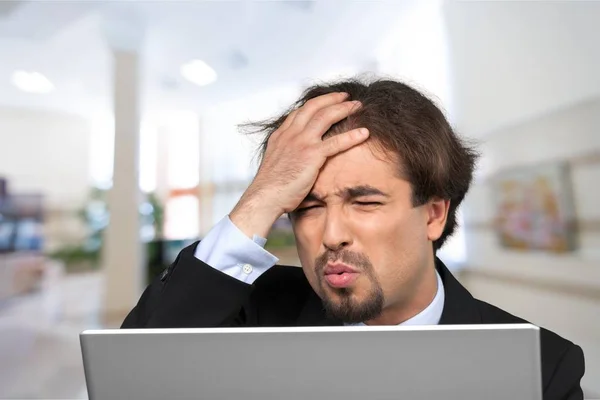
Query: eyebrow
[350, 193]
[363, 190]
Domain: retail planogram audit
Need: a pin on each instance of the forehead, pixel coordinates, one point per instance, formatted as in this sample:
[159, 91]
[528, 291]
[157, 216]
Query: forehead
[361, 165]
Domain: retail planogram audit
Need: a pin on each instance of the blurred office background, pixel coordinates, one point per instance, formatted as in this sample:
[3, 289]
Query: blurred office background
[132, 107]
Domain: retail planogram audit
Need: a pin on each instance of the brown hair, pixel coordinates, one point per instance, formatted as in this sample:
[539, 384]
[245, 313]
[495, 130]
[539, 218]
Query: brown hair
[403, 121]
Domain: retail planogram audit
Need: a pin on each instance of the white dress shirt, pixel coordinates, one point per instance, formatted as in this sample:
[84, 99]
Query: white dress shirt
[230, 251]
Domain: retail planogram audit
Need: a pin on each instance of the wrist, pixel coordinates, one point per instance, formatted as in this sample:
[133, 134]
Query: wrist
[254, 216]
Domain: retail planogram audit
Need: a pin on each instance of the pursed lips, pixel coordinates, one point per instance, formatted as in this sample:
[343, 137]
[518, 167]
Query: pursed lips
[340, 275]
[338, 268]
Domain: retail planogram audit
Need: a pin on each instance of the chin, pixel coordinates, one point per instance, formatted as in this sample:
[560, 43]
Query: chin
[344, 305]
[338, 295]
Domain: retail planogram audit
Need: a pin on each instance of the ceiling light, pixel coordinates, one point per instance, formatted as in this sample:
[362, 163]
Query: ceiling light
[198, 72]
[31, 82]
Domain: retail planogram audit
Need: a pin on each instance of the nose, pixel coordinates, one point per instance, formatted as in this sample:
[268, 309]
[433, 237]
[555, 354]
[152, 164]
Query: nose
[336, 235]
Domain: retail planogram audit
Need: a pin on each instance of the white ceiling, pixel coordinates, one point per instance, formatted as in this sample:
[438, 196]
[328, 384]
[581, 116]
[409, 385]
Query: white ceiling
[508, 61]
[253, 46]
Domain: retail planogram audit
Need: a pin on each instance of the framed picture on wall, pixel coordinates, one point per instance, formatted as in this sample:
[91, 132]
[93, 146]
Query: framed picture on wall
[534, 208]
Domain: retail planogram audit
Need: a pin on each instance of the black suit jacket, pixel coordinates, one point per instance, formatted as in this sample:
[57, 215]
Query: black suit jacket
[190, 293]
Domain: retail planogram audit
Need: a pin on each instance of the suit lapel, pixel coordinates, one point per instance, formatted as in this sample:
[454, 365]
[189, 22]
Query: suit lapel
[459, 305]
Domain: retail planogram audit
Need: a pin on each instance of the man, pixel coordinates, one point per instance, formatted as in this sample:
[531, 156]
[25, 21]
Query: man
[371, 176]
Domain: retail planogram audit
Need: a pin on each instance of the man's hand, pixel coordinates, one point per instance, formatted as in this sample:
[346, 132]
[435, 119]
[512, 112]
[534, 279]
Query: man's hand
[294, 155]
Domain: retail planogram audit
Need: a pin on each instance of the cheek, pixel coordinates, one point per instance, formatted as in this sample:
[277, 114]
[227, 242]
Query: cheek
[307, 240]
[394, 244]
[307, 245]
[390, 232]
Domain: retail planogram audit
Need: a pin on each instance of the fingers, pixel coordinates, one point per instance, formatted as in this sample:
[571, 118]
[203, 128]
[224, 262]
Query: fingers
[323, 119]
[310, 108]
[284, 126]
[315, 117]
[299, 117]
[344, 141]
[288, 121]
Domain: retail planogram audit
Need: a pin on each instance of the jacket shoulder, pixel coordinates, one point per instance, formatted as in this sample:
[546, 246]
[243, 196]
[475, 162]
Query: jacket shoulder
[556, 351]
[493, 315]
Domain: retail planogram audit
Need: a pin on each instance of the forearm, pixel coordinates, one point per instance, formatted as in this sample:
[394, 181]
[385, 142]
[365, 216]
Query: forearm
[254, 214]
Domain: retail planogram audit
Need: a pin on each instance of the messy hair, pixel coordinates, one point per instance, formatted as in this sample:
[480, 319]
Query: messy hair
[404, 122]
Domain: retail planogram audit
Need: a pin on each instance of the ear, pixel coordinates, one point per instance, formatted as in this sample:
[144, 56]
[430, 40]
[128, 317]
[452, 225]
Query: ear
[437, 214]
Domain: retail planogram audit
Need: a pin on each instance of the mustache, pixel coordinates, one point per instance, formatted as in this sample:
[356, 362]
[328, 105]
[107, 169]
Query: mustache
[357, 260]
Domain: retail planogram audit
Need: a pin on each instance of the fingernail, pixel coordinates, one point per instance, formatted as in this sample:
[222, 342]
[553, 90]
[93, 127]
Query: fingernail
[363, 131]
[344, 94]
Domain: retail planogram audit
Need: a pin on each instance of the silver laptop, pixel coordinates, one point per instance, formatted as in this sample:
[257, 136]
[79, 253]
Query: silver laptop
[329, 363]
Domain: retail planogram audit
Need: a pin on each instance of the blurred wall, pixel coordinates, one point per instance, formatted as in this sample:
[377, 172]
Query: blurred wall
[560, 292]
[45, 152]
[526, 87]
[48, 152]
[513, 61]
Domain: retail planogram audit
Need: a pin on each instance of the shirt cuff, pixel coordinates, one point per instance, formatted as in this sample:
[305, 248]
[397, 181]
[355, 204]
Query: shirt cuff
[229, 250]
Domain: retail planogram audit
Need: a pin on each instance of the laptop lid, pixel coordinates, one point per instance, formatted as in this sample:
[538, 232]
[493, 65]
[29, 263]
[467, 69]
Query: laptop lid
[383, 362]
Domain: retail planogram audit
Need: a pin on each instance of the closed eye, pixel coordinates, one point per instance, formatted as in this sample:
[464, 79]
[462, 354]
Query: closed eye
[367, 203]
[304, 209]
[360, 203]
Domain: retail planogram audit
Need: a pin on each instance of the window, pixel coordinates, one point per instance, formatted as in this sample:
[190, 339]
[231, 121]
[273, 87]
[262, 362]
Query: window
[182, 206]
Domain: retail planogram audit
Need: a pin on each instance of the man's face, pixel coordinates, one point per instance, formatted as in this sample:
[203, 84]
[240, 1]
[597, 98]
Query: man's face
[363, 246]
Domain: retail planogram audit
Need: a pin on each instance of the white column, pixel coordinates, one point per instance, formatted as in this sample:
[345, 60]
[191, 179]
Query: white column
[162, 162]
[123, 260]
[205, 183]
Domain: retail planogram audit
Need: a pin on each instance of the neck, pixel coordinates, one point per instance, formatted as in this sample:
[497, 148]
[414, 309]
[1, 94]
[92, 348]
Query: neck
[423, 293]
